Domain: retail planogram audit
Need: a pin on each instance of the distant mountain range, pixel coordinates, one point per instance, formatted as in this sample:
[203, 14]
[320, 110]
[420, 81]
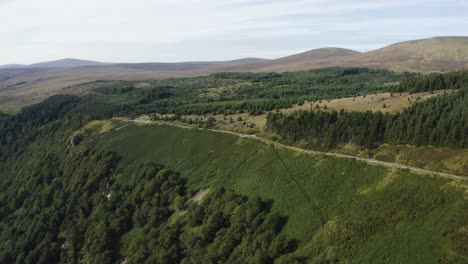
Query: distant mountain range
[71, 63]
[424, 55]
[305, 60]
[63, 63]
[25, 84]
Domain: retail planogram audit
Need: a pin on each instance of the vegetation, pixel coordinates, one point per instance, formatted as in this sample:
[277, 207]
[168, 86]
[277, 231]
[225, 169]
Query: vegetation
[433, 81]
[225, 93]
[439, 121]
[70, 204]
[339, 210]
[449, 160]
[78, 187]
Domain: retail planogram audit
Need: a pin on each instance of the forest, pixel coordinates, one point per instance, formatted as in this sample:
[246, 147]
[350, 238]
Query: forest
[70, 203]
[224, 93]
[439, 121]
[67, 204]
[433, 81]
[255, 93]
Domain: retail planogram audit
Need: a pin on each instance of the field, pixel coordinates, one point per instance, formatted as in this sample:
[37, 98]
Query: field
[450, 160]
[394, 102]
[338, 209]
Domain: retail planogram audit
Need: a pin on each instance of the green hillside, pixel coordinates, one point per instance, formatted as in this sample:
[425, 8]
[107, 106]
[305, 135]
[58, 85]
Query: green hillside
[339, 209]
[81, 185]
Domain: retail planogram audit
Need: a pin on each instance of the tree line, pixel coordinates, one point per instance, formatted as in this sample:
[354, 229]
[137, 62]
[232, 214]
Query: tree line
[225, 93]
[438, 121]
[433, 81]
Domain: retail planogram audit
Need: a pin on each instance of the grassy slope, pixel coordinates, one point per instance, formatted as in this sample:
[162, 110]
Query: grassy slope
[422, 55]
[339, 209]
[394, 103]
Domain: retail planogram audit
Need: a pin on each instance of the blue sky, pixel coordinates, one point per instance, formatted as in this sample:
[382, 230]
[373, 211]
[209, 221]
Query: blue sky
[187, 30]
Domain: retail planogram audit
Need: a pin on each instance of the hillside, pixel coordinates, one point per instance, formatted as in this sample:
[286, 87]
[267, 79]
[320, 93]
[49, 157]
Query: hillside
[20, 87]
[302, 61]
[424, 55]
[12, 66]
[63, 63]
[25, 85]
[82, 183]
[120, 194]
[71, 63]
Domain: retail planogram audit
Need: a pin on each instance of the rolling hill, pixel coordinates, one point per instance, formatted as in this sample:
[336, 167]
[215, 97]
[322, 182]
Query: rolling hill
[71, 63]
[423, 55]
[21, 86]
[63, 63]
[302, 61]
[24, 85]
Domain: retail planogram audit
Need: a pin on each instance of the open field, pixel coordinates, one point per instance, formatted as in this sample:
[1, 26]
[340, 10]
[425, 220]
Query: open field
[383, 102]
[324, 198]
[394, 102]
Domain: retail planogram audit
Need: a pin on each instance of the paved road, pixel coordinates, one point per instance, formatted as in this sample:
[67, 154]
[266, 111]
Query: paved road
[315, 152]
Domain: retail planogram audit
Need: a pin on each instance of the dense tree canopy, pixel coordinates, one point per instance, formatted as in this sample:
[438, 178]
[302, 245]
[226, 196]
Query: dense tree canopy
[439, 121]
[224, 93]
[71, 204]
[433, 81]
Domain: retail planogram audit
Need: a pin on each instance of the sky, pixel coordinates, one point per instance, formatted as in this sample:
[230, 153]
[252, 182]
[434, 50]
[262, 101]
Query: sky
[205, 30]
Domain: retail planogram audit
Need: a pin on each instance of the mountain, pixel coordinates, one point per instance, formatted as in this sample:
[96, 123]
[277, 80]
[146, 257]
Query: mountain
[71, 63]
[423, 55]
[185, 66]
[13, 66]
[302, 61]
[22, 85]
[65, 63]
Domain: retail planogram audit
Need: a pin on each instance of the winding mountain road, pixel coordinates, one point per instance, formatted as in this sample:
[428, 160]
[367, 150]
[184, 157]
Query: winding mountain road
[313, 152]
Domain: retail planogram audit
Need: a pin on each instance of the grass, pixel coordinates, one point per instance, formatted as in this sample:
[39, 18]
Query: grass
[449, 160]
[394, 102]
[339, 209]
[95, 127]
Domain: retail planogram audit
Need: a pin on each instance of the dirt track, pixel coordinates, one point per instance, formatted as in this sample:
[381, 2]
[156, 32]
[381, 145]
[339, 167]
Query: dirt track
[314, 152]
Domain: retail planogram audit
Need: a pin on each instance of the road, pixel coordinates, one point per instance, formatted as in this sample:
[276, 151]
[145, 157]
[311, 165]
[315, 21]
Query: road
[313, 152]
